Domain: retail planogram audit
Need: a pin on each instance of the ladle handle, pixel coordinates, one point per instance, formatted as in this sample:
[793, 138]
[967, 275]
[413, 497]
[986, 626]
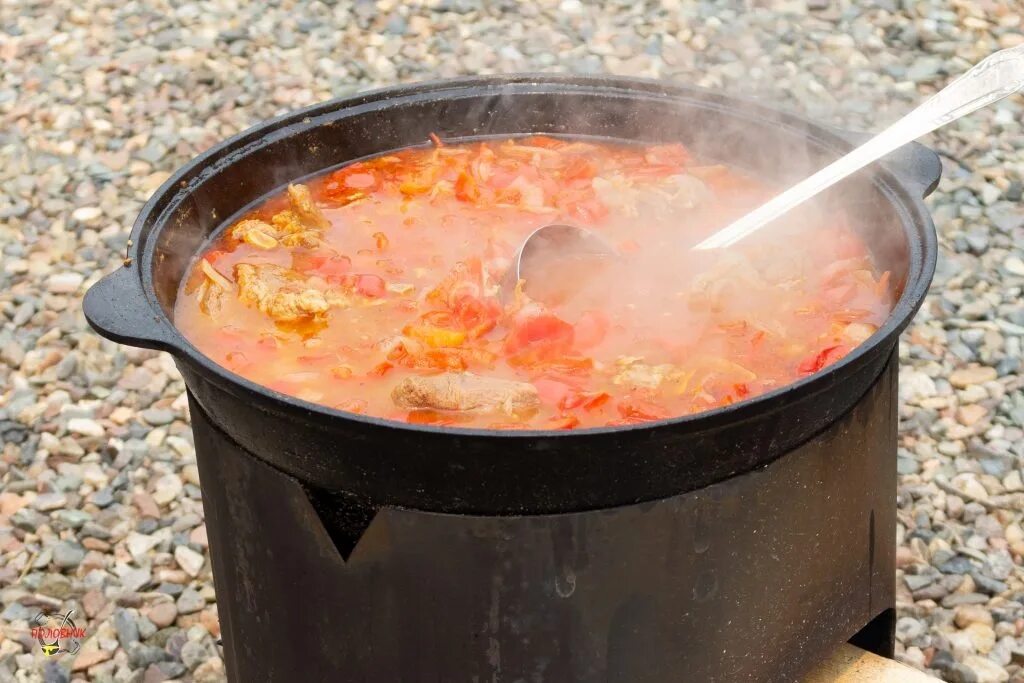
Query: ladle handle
[992, 79]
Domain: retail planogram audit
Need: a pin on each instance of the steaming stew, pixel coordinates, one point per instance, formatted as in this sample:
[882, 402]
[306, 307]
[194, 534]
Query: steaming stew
[373, 289]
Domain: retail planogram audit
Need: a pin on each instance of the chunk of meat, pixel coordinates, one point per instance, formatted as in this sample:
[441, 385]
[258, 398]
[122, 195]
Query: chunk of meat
[633, 372]
[305, 208]
[211, 298]
[259, 234]
[292, 232]
[299, 226]
[466, 391]
[688, 191]
[278, 292]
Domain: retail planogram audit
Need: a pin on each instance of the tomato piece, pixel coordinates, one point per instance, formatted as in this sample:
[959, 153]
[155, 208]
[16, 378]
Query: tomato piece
[588, 400]
[552, 392]
[825, 357]
[304, 261]
[503, 175]
[634, 408]
[591, 329]
[333, 268]
[564, 422]
[477, 316]
[546, 329]
[370, 285]
[579, 168]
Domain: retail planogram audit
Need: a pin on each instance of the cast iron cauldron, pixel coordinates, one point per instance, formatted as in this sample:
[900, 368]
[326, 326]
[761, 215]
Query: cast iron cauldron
[738, 544]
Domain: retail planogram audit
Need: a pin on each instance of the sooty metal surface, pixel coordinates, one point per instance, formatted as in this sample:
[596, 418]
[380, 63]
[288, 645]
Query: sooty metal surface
[750, 579]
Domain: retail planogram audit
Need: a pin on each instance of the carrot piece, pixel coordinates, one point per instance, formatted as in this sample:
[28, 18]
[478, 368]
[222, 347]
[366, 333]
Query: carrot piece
[825, 357]
[436, 337]
[466, 188]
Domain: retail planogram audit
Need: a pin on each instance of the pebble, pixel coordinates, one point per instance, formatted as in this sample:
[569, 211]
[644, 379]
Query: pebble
[127, 629]
[46, 502]
[139, 544]
[190, 601]
[68, 554]
[982, 637]
[210, 671]
[89, 656]
[87, 214]
[57, 586]
[1014, 266]
[167, 488]
[908, 629]
[965, 377]
[189, 560]
[966, 615]
[85, 427]
[985, 670]
[163, 614]
[141, 656]
[64, 283]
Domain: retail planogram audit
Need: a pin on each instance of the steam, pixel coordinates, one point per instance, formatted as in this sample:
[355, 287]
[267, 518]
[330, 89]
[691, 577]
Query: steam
[771, 149]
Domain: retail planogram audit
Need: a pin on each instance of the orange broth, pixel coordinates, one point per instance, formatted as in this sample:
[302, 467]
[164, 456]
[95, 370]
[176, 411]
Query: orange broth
[394, 272]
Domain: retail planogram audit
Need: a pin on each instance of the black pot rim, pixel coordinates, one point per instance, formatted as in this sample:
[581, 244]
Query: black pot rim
[922, 252]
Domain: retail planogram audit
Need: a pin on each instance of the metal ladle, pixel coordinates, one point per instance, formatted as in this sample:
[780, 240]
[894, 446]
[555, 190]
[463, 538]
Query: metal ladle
[994, 78]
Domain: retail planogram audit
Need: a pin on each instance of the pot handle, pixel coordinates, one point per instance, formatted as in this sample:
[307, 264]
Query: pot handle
[917, 167]
[117, 308]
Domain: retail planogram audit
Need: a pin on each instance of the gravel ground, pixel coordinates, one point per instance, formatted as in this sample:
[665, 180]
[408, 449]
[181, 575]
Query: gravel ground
[101, 100]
